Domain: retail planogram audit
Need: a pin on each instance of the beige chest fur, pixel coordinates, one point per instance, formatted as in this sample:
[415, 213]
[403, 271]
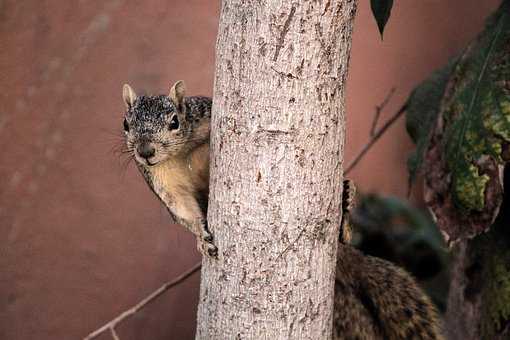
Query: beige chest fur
[178, 180]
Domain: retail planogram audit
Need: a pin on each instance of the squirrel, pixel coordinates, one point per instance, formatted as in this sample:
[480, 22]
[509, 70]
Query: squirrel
[168, 136]
[375, 299]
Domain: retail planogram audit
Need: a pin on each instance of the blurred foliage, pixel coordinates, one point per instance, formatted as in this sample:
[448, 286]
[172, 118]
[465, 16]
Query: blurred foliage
[381, 9]
[459, 119]
[422, 110]
[489, 271]
[392, 229]
[496, 291]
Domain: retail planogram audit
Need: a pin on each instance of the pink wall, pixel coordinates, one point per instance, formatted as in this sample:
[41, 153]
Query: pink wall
[82, 236]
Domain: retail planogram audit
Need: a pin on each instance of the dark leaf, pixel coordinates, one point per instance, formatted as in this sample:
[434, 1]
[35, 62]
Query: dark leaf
[468, 143]
[381, 10]
[422, 110]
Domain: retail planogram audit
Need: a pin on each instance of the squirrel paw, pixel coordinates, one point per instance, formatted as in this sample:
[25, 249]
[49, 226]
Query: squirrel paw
[207, 247]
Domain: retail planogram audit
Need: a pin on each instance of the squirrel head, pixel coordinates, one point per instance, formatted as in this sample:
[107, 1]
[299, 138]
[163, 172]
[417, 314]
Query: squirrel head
[156, 127]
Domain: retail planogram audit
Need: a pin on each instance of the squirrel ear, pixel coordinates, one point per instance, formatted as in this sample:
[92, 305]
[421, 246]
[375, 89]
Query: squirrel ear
[177, 93]
[128, 95]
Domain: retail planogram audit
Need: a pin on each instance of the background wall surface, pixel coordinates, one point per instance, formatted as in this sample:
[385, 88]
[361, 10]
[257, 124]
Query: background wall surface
[82, 237]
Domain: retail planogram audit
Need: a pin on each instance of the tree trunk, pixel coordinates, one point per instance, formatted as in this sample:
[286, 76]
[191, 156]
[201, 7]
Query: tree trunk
[277, 137]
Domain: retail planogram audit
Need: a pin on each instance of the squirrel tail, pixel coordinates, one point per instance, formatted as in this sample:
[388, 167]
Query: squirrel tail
[375, 299]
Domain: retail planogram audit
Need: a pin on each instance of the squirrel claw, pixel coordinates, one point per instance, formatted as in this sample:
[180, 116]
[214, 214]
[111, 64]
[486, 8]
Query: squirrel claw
[208, 238]
[207, 247]
[213, 252]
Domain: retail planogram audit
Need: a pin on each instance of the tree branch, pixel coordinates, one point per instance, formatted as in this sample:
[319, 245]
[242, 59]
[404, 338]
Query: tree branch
[114, 334]
[374, 139]
[110, 326]
[378, 110]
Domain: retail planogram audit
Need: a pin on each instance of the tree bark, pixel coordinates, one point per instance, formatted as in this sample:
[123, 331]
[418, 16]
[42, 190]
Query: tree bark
[277, 136]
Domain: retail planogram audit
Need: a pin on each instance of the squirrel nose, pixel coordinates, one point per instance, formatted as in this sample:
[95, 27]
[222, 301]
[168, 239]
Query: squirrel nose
[145, 150]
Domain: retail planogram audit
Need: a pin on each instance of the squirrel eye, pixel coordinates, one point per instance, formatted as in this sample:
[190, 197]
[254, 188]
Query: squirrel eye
[174, 123]
[126, 125]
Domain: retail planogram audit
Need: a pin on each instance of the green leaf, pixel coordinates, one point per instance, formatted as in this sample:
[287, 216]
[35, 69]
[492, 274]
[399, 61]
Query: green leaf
[465, 150]
[381, 9]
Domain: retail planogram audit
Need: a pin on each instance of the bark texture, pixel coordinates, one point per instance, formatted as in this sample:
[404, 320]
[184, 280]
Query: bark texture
[277, 137]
